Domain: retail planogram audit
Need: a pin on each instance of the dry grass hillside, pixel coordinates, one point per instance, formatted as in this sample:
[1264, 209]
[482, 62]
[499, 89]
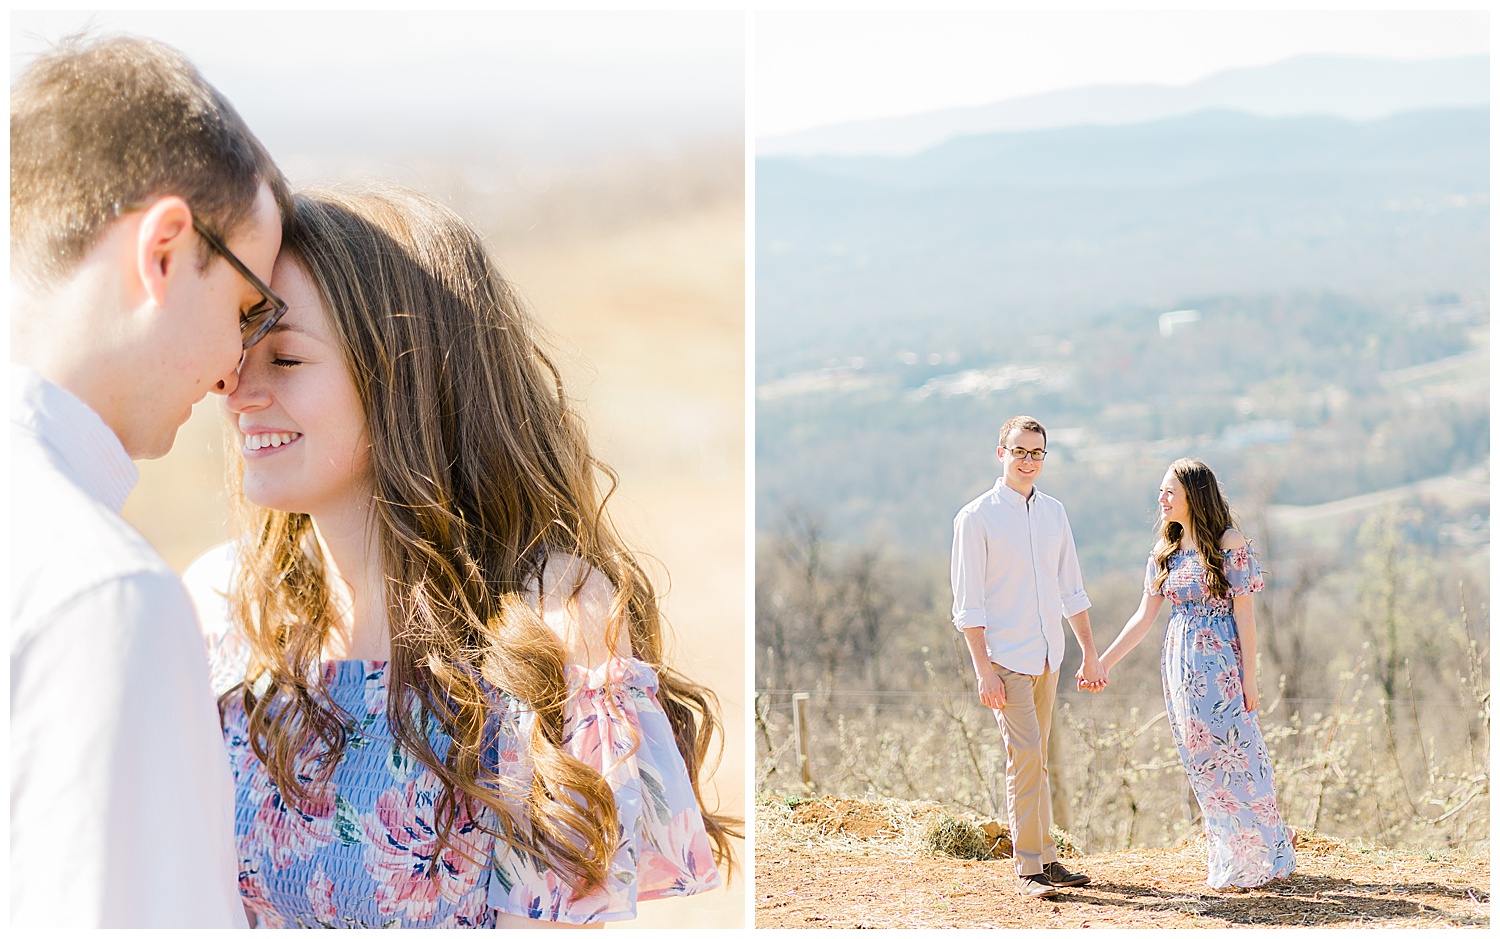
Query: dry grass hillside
[888, 863]
[646, 311]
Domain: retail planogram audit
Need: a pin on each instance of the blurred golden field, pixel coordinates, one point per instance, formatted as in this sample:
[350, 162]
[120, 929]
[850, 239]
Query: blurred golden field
[637, 271]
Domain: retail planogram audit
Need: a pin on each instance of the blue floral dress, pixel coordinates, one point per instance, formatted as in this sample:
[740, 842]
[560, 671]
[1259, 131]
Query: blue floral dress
[1219, 741]
[361, 851]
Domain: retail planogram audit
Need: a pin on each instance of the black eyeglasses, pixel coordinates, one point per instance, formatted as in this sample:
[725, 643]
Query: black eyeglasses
[1022, 453]
[256, 322]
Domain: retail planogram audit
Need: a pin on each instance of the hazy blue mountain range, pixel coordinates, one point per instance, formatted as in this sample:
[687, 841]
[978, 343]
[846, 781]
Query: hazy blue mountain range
[1441, 145]
[951, 248]
[1352, 87]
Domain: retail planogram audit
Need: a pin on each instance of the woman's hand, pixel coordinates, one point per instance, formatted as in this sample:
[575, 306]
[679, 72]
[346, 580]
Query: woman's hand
[1252, 694]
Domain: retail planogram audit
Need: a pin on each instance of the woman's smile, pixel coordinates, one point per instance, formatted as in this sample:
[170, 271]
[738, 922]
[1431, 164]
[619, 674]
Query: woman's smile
[265, 443]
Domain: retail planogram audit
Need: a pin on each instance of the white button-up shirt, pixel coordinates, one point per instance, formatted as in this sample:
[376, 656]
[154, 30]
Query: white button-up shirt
[121, 799]
[1015, 572]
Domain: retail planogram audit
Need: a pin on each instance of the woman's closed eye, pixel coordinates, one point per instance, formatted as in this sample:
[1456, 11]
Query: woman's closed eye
[282, 362]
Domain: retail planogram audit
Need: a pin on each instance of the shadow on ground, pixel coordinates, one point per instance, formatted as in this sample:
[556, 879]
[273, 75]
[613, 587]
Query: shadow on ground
[1303, 901]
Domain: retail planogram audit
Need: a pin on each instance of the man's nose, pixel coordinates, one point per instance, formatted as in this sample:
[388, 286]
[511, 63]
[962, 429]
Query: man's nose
[230, 382]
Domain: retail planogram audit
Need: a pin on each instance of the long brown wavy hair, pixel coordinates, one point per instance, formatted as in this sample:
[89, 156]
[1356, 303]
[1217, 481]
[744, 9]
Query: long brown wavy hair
[1208, 517]
[480, 467]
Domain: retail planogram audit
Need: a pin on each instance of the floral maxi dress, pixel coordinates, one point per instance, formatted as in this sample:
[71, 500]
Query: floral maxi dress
[362, 850]
[1220, 743]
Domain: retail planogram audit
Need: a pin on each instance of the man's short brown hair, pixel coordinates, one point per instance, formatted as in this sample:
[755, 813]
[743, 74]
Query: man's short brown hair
[122, 120]
[1022, 422]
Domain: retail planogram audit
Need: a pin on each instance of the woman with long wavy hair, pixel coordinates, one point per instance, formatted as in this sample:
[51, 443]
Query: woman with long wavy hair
[1207, 569]
[443, 691]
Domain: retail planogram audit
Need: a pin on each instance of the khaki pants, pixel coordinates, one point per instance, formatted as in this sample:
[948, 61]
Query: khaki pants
[1025, 724]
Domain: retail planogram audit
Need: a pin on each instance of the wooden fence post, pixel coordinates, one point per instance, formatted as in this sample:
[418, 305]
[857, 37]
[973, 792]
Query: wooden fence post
[800, 737]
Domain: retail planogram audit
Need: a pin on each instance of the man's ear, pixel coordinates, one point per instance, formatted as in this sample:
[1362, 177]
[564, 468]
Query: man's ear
[165, 243]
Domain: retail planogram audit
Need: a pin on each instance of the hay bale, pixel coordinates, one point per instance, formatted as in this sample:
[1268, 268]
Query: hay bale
[956, 837]
[960, 838]
[1309, 843]
[1066, 846]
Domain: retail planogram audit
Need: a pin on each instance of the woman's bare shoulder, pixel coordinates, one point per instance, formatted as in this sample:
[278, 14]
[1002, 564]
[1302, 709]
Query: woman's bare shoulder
[574, 602]
[1232, 539]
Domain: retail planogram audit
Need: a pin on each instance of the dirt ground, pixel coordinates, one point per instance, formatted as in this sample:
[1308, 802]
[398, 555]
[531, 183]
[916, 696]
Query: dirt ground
[847, 864]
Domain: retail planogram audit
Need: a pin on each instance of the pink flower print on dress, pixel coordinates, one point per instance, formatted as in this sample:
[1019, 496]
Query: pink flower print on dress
[1201, 774]
[1238, 558]
[1200, 739]
[1195, 684]
[604, 727]
[1232, 758]
[536, 892]
[683, 860]
[296, 831]
[402, 853]
[471, 911]
[1247, 846]
[531, 900]
[1206, 643]
[320, 895]
[1265, 811]
[253, 895]
[583, 908]
[1179, 584]
[584, 738]
[1228, 682]
[1220, 802]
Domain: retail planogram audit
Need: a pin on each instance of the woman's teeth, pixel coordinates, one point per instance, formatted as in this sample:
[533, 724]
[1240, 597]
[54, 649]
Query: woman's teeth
[262, 441]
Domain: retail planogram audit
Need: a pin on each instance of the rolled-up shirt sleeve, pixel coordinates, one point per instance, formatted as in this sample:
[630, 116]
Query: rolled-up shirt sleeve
[967, 572]
[1069, 575]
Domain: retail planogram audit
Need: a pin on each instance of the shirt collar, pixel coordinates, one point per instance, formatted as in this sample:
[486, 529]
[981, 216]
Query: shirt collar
[83, 445]
[1010, 495]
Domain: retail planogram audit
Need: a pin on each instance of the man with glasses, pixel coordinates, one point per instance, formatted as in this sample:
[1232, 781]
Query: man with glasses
[145, 219]
[1015, 578]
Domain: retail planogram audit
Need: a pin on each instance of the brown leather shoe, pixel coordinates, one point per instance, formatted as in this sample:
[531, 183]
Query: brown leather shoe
[1035, 885]
[1059, 876]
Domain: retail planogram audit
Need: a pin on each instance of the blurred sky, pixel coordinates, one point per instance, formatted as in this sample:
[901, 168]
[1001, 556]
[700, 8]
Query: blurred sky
[818, 68]
[557, 82]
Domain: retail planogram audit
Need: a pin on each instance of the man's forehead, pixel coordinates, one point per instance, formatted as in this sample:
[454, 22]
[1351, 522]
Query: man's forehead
[1029, 438]
[258, 240]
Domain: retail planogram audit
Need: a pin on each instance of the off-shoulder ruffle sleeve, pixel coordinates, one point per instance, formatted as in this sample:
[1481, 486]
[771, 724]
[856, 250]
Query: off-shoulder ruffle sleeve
[615, 724]
[1151, 570]
[1242, 571]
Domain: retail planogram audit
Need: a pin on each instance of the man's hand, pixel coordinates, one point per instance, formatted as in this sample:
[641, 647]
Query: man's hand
[1092, 675]
[991, 689]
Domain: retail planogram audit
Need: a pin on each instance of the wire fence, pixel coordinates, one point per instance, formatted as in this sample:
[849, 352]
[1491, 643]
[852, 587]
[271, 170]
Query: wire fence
[1350, 765]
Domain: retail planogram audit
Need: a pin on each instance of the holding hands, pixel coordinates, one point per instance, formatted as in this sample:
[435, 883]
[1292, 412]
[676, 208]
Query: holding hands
[1092, 675]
